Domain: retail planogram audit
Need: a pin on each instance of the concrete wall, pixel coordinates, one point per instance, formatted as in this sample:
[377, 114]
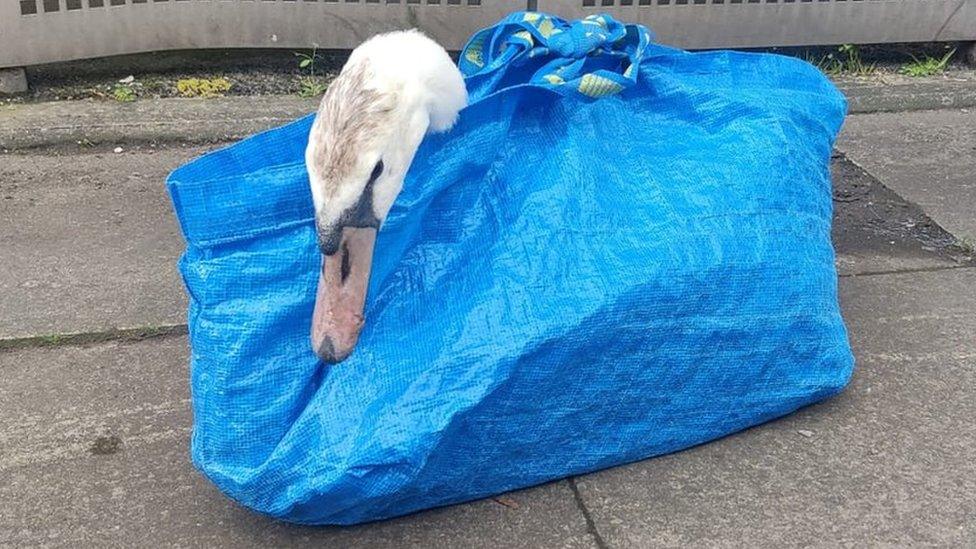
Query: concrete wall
[40, 31]
[756, 23]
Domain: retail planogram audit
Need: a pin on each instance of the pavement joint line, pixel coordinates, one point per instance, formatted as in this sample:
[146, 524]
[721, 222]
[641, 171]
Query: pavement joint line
[891, 110]
[89, 338]
[909, 271]
[171, 120]
[135, 140]
[105, 148]
[590, 523]
[837, 151]
[141, 333]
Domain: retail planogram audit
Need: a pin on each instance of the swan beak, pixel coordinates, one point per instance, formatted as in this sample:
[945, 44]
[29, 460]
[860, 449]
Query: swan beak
[341, 295]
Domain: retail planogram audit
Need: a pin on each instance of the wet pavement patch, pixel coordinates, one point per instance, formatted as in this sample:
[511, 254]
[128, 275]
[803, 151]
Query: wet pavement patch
[105, 446]
[869, 217]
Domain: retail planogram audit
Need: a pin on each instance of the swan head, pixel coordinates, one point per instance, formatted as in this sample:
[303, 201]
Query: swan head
[395, 88]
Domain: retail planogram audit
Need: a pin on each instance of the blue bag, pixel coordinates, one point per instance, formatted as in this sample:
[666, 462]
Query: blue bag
[620, 251]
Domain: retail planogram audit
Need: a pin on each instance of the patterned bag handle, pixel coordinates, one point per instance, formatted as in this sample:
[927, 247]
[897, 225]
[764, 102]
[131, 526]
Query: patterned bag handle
[591, 58]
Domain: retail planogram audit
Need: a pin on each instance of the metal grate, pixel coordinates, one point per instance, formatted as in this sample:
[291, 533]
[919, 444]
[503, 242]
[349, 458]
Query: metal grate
[30, 7]
[648, 3]
[705, 24]
[41, 31]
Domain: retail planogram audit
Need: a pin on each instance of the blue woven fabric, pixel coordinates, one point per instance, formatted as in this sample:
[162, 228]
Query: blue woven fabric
[621, 250]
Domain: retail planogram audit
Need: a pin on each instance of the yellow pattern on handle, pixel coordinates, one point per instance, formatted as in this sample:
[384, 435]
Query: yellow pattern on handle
[525, 35]
[475, 53]
[597, 86]
[546, 27]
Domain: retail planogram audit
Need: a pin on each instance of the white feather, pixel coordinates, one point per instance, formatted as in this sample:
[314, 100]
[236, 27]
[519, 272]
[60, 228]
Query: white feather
[426, 92]
[420, 70]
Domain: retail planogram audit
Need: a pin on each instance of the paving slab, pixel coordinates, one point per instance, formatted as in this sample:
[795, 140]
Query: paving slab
[89, 241]
[94, 453]
[927, 157]
[887, 92]
[889, 462]
[876, 231]
[93, 243]
[32, 125]
[39, 124]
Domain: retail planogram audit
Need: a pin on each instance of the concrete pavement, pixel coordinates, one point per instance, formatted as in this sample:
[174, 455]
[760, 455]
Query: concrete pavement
[93, 243]
[25, 126]
[925, 156]
[876, 231]
[889, 462]
[93, 437]
[95, 454]
[898, 93]
[182, 120]
[89, 241]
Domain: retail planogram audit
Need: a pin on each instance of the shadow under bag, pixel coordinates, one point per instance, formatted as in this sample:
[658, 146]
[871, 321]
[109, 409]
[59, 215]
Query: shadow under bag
[620, 251]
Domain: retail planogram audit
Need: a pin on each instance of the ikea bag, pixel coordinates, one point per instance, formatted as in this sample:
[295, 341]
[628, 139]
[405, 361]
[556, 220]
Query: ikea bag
[621, 250]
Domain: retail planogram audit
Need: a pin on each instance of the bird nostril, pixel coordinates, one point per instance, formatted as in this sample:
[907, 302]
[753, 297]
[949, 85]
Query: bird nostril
[326, 350]
[345, 268]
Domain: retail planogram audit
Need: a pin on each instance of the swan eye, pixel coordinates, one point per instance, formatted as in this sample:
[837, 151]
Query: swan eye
[377, 171]
[359, 215]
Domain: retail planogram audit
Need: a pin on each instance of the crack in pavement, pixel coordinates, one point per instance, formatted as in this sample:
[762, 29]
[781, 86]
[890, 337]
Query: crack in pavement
[907, 271]
[87, 338]
[174, 330]
[590, 524]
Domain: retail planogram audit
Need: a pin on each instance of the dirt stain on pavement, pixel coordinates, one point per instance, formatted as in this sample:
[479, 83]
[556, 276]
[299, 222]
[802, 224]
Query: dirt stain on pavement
[106, 446]
[870, 217]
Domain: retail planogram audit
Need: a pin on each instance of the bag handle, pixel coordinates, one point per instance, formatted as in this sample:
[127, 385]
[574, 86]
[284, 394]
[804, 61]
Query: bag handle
[590, 58]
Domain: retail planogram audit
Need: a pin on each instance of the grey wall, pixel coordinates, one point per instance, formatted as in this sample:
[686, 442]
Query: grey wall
[40, 31]
[744, 23]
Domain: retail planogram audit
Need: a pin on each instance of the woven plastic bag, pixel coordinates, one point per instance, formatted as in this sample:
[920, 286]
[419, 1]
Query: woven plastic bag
[620, 251]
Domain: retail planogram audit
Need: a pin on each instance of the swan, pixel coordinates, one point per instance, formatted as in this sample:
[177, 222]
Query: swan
[393, 90]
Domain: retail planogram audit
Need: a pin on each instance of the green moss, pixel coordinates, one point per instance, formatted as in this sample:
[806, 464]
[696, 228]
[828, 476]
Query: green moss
[203, 87]
[967, 245]
[53, 339]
